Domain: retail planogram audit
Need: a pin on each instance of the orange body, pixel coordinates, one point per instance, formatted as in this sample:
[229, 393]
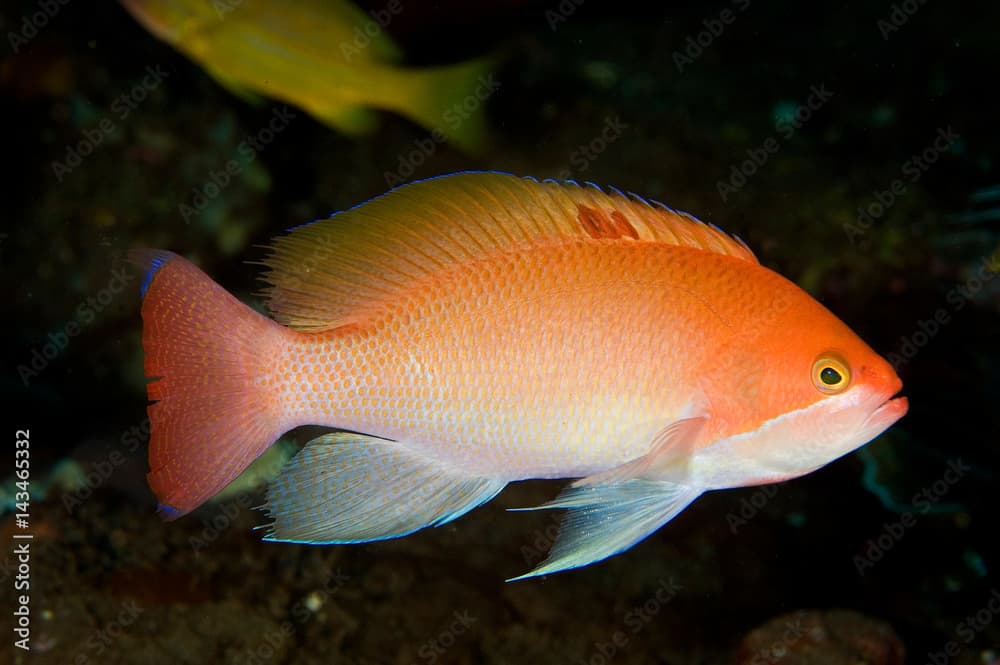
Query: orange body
[548, 363]
[498, 329]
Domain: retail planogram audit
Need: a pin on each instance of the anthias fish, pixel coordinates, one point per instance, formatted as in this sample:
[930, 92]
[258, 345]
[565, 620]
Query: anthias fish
[325, 56]
[476, 329]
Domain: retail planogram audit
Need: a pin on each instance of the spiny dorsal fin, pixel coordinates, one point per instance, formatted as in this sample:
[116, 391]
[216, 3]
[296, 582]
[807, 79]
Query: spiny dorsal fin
[327, 273]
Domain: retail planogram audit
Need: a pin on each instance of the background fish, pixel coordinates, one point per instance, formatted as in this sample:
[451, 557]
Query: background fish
[482, 328]
[324, 56]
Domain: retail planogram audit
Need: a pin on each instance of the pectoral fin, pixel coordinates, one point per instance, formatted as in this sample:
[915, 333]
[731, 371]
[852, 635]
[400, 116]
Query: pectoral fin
[351, 488]
[667, 457]
[606, 518]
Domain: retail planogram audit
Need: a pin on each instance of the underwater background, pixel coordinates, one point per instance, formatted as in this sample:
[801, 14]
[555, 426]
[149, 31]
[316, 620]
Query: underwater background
[853, 146]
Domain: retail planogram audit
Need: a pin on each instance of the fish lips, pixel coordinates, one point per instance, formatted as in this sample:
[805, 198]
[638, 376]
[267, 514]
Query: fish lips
[881, 386]
[888, 411]
[854, 418]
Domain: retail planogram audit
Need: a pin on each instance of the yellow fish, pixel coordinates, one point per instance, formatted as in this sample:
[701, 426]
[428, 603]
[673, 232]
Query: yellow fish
[482, 328]
[326, 57]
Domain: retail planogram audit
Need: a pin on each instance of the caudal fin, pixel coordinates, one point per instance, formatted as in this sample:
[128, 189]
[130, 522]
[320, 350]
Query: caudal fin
[206, 353]
[451, 101]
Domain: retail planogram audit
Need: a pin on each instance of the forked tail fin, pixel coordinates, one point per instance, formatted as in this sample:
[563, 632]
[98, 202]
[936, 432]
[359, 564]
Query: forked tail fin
[451, 100]
[207, 355]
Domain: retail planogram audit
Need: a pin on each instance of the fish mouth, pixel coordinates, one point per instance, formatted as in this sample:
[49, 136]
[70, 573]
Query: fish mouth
[885, 414]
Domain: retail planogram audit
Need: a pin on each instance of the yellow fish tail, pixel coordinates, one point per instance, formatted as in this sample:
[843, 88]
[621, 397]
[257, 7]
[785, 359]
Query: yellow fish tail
[451, 101]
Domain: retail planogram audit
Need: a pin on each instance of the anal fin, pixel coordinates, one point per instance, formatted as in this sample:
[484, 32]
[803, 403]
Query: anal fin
[351, 488]
[606, 518]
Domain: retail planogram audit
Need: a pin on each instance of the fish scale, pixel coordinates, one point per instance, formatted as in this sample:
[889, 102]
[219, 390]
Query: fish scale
[381, 385]
[477, 329]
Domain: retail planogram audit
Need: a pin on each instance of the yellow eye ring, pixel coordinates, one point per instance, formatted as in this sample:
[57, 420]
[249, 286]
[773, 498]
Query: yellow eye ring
[830, 374]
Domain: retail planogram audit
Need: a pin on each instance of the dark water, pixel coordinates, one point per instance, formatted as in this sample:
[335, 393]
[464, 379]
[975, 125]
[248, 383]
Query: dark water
[853, 146]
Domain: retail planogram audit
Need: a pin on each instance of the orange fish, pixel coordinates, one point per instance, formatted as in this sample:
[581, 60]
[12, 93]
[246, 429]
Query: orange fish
[479, 328]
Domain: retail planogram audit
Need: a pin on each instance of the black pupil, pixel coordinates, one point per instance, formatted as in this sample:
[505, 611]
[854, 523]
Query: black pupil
[830, 376]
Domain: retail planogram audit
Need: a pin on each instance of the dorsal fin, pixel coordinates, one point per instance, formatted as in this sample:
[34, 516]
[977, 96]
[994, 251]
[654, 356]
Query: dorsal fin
[325, 274]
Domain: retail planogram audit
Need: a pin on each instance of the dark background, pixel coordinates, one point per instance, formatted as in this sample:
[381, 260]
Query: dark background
[63, 242]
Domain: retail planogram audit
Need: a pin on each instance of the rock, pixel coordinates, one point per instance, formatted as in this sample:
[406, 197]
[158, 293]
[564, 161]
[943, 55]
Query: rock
[813, 637]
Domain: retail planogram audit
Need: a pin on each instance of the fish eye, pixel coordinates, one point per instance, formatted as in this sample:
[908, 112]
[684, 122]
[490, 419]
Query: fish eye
[830, 374]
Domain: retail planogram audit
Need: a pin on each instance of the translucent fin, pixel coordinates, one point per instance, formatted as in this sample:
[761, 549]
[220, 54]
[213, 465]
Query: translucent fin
[352, 488]
[342, 269]
[603, 520]
[667, 458]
